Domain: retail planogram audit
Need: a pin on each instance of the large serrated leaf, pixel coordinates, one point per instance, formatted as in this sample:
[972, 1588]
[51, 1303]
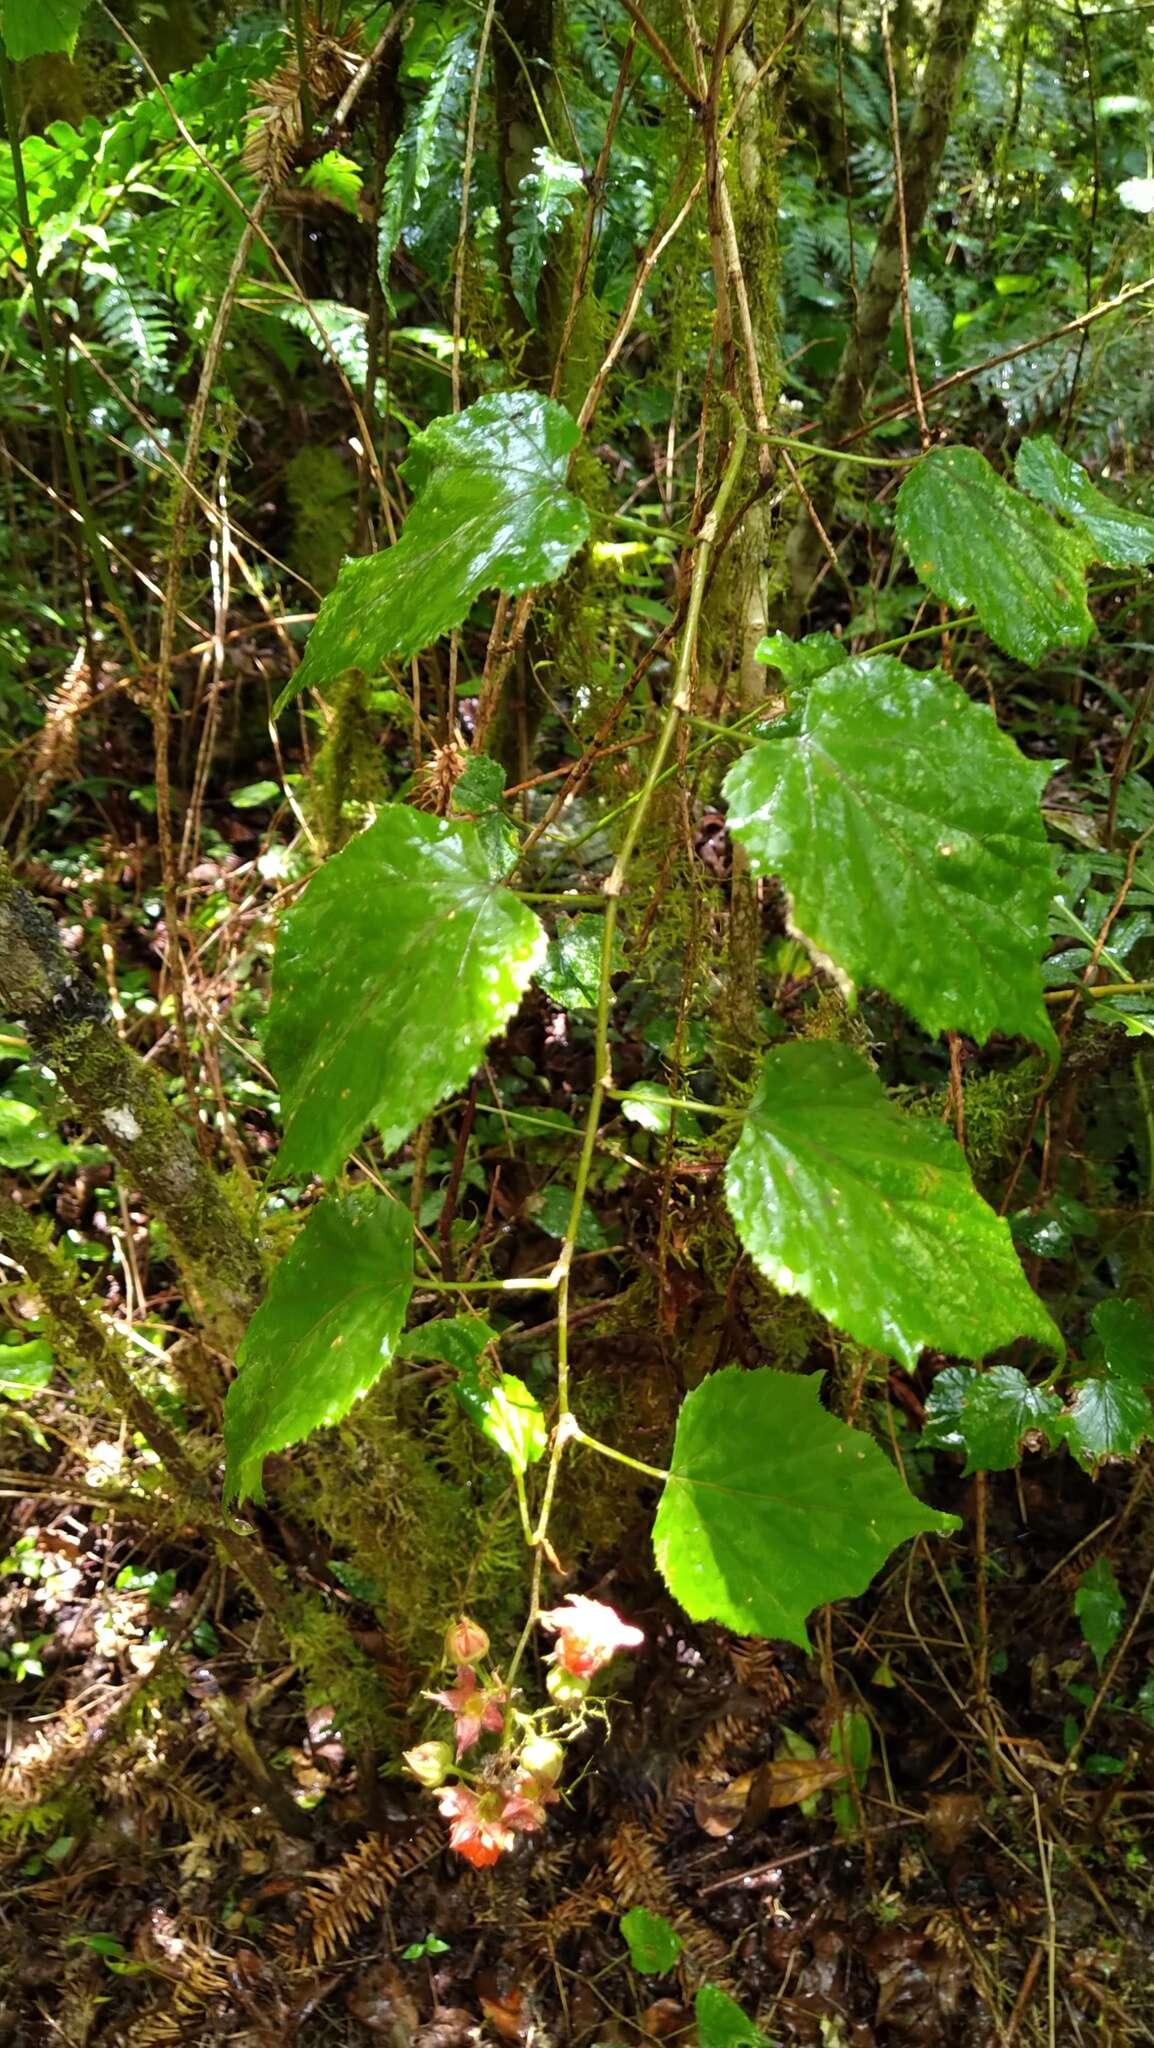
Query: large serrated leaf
[40, 28]
[976, 542]
[335, 1307]
[773, 1507]
[392, 973]
[1120, 538]
[490, 512]
[872, 1215]
[908, 831]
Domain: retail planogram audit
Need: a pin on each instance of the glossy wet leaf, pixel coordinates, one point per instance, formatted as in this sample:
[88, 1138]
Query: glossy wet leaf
[721, 2023]
[455, 1340]
[25, 1368]
[653, 1944]
[1125, 1331]
[871, 1214]
[987, 1415]
[508, 1414]
[908, 831]
[1107, 1417]
[773, 1506]
[982, 546]
[1100, 1609]
[392, 972]
[40, 28]
[327, 1328]
[571, 975]
[1120, 538]
[490, 511]
[801, 661]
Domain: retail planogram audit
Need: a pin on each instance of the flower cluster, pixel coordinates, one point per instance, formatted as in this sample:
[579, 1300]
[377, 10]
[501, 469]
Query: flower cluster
[509, 1793]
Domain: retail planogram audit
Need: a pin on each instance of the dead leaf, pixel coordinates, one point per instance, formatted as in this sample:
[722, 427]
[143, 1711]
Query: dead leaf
[664, 2018]
[381, 2001]
[950, 1817]
[719, 1809]
[505, 2015]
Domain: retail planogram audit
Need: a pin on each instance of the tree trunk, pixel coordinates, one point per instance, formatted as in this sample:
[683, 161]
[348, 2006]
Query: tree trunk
[866, 343]
[122, 1101]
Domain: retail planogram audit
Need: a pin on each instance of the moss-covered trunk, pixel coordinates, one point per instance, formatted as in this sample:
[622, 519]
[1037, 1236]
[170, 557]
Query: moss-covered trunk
[122, 1101]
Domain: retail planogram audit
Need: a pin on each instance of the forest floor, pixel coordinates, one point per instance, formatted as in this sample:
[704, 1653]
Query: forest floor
[192, 1855]
[190, 1852]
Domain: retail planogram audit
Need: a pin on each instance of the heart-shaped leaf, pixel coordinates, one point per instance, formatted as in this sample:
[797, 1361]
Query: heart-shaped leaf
[392, 972]
[977, 543]
[490, 512]
[908, 831]
[872, 1215]
[773, 1507]
[335, 1307]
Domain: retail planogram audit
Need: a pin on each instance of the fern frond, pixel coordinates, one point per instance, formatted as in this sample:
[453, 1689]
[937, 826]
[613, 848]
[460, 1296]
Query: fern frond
[545, 199]
[133, 321]
[337, 1900]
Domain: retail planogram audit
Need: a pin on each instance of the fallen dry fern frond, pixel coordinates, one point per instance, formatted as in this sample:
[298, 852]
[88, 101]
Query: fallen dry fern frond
[336, 1901]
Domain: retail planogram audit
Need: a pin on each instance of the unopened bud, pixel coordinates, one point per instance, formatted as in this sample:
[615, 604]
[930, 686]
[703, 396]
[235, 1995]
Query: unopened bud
[542, 1758]
[466, 1642]
[562, 1686]
[429, 1763]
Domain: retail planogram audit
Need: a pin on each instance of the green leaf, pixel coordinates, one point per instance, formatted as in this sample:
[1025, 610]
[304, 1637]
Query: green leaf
[1100, 1609]
[851, 1742]
[721, 2022]
[1107, 1417]
[801, 661]
[1126, 1332]
[653, 1944]
[25, 1368]
[977, 543]
[987, 1414]
[456, 1340]
[392, 972]
[490, 512]
[908, 831]
[508, 1414]
[1120, 538]
[480, 785]
[872, 1215]
[551, 1214]
[545, 198]
[40, 28]
[773, 1507]
[571, 976]
[28, 1140]
[329, 1325]
[254, 794]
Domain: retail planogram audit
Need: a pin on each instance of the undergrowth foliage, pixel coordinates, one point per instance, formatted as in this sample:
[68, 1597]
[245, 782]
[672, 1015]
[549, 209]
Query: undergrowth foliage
[676, 1014]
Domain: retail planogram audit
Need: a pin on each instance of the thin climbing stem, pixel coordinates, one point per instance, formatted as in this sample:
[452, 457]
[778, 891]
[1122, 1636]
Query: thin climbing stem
[679, 704]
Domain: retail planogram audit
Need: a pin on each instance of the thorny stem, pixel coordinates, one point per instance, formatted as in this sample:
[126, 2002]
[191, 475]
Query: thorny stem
[567, 1429]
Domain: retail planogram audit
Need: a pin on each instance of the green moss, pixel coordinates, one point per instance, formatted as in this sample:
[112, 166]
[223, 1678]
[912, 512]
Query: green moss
[408, 1493]
[322, 498]
[348, 773]
[997, 1108]
[335, 1672]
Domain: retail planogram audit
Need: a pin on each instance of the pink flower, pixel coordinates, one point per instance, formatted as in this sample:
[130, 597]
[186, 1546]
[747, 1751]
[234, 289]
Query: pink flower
[588, 1635]
[524, 1811]
[478, 1830]
[473, 1707]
